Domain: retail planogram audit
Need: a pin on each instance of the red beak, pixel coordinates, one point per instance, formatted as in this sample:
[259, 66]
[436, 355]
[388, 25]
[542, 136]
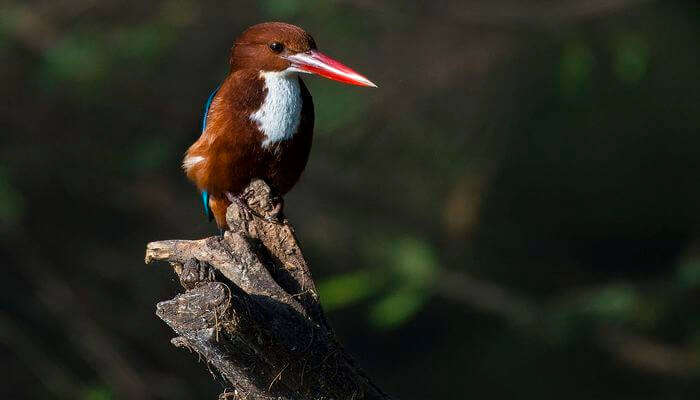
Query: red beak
[315, 62]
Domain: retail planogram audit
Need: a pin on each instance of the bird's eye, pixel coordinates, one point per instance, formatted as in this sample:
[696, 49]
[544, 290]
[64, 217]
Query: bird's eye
[277, 47]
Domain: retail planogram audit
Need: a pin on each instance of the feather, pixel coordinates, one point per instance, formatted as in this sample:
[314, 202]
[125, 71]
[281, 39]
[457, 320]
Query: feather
[205, 194]
[206, 107]
[205, 201]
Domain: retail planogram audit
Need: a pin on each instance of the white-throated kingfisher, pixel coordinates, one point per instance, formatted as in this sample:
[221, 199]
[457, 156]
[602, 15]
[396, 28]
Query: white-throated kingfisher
[259, 122]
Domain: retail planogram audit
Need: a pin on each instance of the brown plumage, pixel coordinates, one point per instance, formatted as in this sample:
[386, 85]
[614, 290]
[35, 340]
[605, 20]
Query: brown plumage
[260, 122]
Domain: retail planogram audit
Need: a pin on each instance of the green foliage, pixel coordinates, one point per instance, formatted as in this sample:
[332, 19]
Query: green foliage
[286, 9]
[397, 307]
[78, 58]
[631, 57]
[87, 57]
[148, 155]
[575, 68]
[180, 13]
[350, 288]
[575, 315]
[403, 286]
[414, 264]
[414, 261]
[98, 393]
[142, 43]
[280, 8]
[337, 106]
[615, 303]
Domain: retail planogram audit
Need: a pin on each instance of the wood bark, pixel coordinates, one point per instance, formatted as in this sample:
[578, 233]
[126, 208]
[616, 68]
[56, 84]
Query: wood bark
[251, 310]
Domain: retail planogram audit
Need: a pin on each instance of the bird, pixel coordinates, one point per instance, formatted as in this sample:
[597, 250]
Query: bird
[258, 123]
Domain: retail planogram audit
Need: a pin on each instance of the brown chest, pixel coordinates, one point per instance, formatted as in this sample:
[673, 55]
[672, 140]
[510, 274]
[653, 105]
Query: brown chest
[262, 130]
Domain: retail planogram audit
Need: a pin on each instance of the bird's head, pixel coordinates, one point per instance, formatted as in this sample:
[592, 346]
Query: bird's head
[276, 46]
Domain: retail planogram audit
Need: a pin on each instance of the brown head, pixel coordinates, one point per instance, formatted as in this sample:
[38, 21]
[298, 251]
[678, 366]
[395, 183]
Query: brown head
[276, 46]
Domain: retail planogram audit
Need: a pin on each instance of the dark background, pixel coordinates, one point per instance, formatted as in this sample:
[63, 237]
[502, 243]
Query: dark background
[513, 213]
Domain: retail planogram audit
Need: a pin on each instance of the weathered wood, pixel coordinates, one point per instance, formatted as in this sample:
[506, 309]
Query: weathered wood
[252, 312]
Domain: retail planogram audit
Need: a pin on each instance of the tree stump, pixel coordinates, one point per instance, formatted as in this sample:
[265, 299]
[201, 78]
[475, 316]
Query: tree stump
[252, 312]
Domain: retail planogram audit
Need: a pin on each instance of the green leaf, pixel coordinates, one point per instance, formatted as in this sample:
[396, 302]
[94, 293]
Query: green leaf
[631, 60]
[575, 68]
[347, 289]
[397, 307]
[616, 303]
[98, 393]
[414, 261]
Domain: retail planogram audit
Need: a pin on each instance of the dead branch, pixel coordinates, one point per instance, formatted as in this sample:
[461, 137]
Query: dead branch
[251, 310]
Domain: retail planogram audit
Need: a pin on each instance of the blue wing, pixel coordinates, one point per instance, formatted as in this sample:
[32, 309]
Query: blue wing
[205, 194]
[207, 105]
[205, 203]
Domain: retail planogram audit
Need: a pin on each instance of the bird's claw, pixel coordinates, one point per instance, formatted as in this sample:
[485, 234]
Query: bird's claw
[243, 208]
[275, 216]
[246, 212]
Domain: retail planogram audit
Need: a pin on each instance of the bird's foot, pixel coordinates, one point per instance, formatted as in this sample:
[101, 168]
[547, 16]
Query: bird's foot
[243, 207]
[275, 216]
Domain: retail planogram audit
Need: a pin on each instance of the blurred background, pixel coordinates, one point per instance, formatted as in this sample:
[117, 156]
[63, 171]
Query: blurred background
[513, 213]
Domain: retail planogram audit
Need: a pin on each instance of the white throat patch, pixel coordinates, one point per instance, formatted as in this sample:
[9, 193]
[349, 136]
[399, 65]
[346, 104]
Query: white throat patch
[280, 113]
